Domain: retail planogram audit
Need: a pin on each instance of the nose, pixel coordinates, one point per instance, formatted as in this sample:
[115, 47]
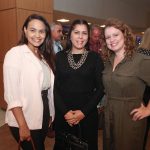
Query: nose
[37, 34]
[112, 39]
[80, 35]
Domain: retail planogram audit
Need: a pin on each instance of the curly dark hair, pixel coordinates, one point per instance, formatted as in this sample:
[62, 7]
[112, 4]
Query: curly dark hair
[128, 36]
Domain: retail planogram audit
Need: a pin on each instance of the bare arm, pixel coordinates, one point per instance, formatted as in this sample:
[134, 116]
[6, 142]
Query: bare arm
[24, 131]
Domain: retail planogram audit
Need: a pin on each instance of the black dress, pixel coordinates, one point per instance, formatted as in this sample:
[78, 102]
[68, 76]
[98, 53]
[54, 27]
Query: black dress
[79, 89]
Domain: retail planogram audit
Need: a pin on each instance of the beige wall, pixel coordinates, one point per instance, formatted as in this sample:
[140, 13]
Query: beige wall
[13, 14]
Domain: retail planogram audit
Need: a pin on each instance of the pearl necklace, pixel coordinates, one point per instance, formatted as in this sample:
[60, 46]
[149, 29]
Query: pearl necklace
[77, 65]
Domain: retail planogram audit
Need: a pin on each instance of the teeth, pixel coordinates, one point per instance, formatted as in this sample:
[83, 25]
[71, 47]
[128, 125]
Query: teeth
[113, 44]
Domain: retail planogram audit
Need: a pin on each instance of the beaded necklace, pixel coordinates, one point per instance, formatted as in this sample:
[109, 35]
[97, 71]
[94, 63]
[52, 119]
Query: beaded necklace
[77, 65]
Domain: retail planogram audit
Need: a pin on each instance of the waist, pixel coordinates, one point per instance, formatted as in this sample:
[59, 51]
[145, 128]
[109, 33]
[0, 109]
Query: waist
[124, 98]
[44, 92]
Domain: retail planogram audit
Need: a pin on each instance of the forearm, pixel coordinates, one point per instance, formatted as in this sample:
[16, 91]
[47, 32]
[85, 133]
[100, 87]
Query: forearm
[148, 107]
[19, 116]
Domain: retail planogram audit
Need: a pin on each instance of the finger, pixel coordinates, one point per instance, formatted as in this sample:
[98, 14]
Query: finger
[29, 138]
[133, 111]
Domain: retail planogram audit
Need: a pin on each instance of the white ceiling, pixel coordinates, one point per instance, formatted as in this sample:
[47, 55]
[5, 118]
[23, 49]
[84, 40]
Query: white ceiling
[136, 13]
[139, 3]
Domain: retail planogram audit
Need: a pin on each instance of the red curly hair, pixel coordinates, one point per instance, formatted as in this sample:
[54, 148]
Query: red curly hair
[128, 36]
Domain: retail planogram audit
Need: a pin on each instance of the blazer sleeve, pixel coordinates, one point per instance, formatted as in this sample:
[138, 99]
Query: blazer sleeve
[11, 75]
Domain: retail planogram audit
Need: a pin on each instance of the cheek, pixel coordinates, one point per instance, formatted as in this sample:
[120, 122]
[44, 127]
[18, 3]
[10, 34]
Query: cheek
[107, 43]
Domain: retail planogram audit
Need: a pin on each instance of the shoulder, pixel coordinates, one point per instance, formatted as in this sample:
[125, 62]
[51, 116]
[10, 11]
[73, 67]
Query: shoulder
[141, 56]
[94, 55]
[61, 53]
[142, 61]
[143, 51]
[17, 50]
[61, 56]
[14, 55]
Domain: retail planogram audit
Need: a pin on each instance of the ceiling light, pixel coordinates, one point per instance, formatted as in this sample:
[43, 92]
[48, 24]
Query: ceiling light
[102, 26]
[63, 20]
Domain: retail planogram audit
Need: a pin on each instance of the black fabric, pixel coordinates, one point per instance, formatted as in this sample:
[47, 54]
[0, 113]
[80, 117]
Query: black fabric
[39, 135]
[79, 89]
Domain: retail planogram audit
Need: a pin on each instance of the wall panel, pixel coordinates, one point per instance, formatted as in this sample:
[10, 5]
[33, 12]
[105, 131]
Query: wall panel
[38, 5]
[2, 102]
[7, 4]
[8, 31]
[23, 14]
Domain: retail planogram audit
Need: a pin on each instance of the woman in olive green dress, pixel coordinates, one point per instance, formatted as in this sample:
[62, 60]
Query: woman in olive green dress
[125, 76]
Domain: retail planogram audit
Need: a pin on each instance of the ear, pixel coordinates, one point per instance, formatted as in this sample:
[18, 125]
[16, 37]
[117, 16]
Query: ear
[25, 30]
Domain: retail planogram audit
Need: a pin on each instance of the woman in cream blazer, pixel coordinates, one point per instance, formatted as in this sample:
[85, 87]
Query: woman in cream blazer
[28, 84]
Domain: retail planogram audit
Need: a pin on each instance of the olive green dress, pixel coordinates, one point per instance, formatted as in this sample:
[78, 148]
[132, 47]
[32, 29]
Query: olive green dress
[124, 89]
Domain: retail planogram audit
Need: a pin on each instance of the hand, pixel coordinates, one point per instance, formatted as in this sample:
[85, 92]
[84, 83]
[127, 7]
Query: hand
[78, 115]
[69, 117]
[24, 133]
[140, 113]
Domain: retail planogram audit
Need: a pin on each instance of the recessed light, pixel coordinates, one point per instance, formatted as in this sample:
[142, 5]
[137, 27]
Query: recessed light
[63, 20]
[102, 26]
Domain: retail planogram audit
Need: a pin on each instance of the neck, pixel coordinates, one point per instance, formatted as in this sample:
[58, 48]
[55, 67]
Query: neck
[77, 51]
[35, 51]
[120, 54]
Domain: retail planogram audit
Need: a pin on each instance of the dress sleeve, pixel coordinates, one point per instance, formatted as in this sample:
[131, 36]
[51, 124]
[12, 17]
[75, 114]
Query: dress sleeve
[11, 75]
[99, 88]
[58, 102]
[144, 70]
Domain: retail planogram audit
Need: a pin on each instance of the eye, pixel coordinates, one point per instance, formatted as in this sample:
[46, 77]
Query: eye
[107, 37]
[85, 33]
[42, 31]
[32, 30]
[76, 32]
[115, 34]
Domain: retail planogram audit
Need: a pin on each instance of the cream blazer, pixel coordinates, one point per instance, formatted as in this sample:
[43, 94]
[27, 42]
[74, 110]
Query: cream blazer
[23, 78]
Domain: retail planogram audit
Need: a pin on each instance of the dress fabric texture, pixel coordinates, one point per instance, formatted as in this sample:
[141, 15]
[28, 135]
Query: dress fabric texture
[124, 88]
[79, 89]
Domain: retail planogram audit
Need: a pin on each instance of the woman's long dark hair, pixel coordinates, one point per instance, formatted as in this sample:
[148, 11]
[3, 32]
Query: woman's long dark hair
[46, 48]
[74, 23]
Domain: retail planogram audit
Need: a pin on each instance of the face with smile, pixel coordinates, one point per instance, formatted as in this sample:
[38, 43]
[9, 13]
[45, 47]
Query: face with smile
[79, 37]
[35, 33]
[114, 39]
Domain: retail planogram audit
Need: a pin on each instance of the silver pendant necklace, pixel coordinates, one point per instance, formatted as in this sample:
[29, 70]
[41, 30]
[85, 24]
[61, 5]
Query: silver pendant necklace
[77, 65]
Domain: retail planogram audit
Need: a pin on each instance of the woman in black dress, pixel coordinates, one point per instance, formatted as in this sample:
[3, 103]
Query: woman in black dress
[78, 87]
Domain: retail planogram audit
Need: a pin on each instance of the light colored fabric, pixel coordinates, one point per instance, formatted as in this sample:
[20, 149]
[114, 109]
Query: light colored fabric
[57, 46]
[46, 73]
[23, 79]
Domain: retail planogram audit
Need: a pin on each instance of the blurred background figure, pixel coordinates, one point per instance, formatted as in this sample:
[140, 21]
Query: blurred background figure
[56, 31]
[144, 48]
[95, 44]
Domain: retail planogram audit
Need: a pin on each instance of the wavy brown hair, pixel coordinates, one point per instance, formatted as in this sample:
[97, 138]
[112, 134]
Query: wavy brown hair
[146, 40]
[128, 36]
